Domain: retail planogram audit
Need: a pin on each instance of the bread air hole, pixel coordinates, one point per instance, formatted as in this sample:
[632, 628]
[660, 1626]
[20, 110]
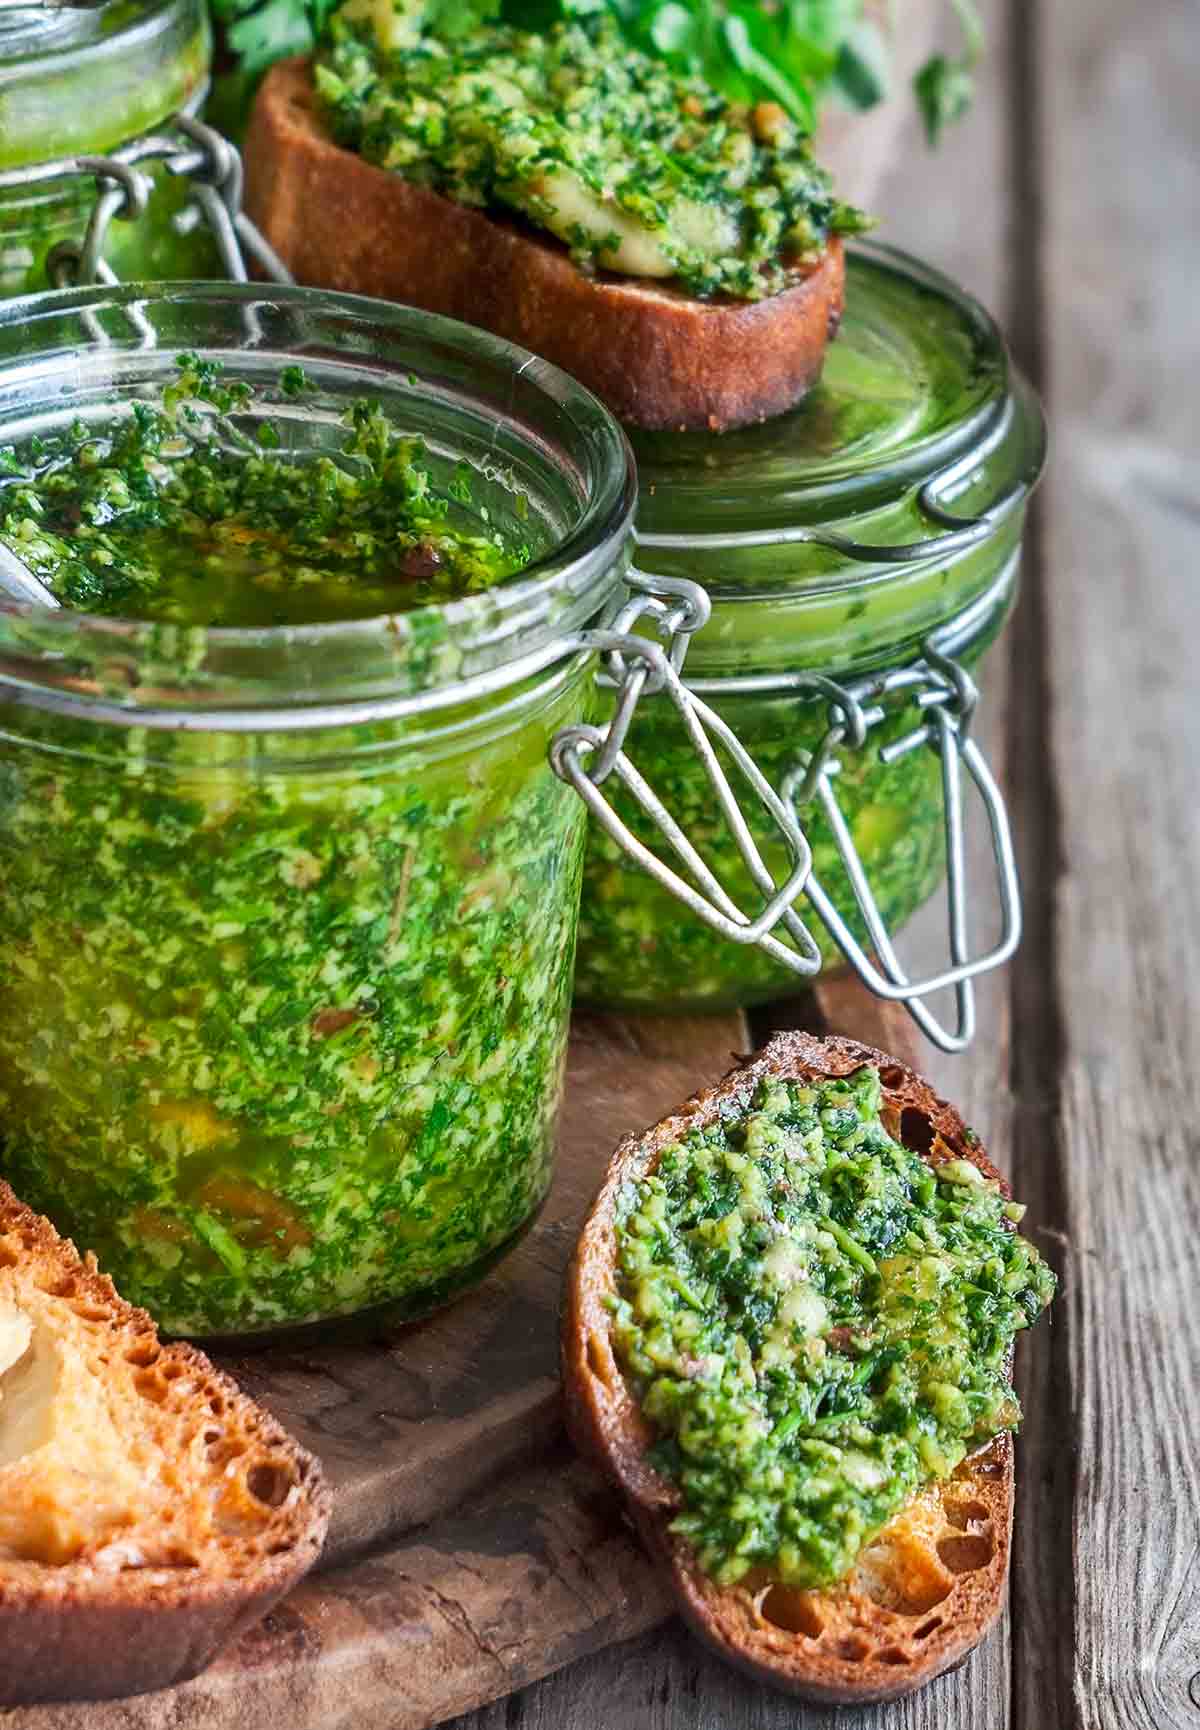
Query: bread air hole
[853, 1648]
[891, 1077]
[966, 1552]
[142, 1355]
[927, 1628]
[784, 1607]
[964, 1514]
[8, 1257]
[916, 1130]
[892, 1655]
[270, 1483]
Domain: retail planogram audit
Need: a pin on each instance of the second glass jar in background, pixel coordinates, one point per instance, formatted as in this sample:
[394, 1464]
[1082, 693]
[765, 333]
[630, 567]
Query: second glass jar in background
[817, 538]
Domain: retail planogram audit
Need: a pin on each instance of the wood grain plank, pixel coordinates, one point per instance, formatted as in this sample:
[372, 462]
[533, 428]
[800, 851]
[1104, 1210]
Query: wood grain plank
[1120, 844]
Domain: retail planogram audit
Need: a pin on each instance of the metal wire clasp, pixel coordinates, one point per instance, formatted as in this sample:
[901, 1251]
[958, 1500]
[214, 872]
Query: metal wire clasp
[946, 695]
[187, 149]
[635, 666]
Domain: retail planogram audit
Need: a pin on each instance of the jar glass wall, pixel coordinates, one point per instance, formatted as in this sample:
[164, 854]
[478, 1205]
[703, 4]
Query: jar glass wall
[287, 917]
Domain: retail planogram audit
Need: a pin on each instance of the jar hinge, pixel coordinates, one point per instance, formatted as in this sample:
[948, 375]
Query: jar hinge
[946, 695]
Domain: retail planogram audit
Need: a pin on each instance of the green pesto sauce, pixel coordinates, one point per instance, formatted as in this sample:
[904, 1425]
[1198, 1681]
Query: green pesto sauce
[638, 169]
[282, 1015]
[817, 1322]
[150, 249]
[282, 1039]
[178, 515]
[83, 91]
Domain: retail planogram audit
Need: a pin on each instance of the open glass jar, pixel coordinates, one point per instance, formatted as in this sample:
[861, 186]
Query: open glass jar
[79, 83]
[847, 549]
[287, 915]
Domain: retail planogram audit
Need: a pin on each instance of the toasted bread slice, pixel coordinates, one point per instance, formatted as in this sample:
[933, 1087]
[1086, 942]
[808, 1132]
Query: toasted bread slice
[928, 1587]
[656, 356]
[148, 1509]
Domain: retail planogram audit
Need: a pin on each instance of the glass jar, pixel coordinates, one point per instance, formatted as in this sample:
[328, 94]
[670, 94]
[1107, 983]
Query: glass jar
[287, 916]
[83, 82]
[875, 527]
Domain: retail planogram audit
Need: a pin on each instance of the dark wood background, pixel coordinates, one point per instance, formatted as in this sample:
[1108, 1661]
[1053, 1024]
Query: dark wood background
[1070, 202]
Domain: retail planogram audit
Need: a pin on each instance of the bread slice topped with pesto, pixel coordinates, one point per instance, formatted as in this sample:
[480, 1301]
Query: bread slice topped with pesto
[679, 253]
[149, 1510]
[788, 1337]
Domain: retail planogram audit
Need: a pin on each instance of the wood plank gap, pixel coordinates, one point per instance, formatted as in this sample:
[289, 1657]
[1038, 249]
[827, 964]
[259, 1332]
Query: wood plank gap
[1042, 1592]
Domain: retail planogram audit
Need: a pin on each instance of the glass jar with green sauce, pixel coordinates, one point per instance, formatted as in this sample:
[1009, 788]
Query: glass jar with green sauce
[83, 82]
[287, 909]
[853, 541]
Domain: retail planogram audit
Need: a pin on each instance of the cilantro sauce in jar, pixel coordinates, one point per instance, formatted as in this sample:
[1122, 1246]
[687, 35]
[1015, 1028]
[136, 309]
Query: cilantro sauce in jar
[289, 886]
[838, 543]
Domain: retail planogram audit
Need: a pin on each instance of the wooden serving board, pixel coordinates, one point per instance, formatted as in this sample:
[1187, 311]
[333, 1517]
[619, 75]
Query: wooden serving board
[411, 1426]
[469, 1552]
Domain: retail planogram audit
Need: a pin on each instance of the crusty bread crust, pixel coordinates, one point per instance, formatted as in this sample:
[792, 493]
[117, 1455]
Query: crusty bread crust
[927, 1589]
[656, 356]
[248, 1507]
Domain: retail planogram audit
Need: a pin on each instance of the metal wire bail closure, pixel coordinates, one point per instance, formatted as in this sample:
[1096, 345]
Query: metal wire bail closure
[947, 696]
[635, 667]
[187, 149]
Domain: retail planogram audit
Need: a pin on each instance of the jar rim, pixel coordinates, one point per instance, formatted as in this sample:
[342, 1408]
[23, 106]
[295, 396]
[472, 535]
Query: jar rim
[803, 478]
[53, 365]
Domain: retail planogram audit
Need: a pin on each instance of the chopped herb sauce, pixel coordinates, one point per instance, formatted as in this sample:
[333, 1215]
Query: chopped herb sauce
[637, 168]
[179, 513]
[282, 1015]
[817, 1321]
[282, 1039]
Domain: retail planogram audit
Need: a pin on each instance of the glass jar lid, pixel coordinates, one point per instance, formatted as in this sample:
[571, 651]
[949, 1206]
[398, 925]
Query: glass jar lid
[80, 81]
[918, 419]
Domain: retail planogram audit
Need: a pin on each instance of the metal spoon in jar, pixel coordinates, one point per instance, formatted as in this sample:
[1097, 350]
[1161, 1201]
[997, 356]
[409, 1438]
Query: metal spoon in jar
[19, 582]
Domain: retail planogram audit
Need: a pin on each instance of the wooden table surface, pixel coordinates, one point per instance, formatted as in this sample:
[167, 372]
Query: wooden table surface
[1070, 202]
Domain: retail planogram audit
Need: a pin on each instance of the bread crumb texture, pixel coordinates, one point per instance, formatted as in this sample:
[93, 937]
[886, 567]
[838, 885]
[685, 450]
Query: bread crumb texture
[118, 1452]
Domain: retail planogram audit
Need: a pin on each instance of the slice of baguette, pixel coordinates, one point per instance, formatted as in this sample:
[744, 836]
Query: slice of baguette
[925, 1591]
[149, 1510]
[656, 356]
